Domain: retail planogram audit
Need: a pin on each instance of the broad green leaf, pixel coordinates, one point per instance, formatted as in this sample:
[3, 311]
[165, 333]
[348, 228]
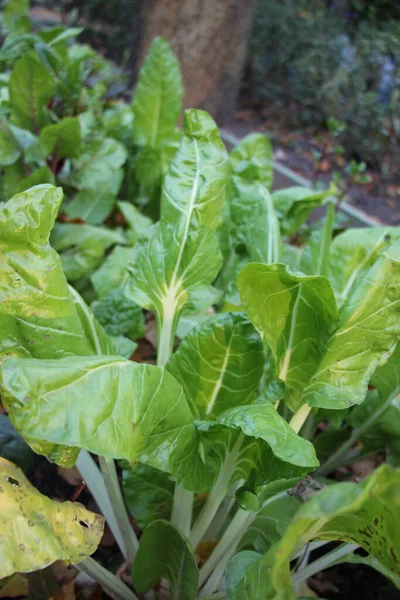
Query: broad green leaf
[165, 553]
[36, 531]
[119, 315]
[138, 223]
[143, 409]
[11, 179]
[94, 206]
[82, 247]
[96, 163]
[148, 494]
[315, 256]
[364, 513]
[353, 253]
[294, 204]
[12, 446]
[251, 159]
[31, 86]
[245, 577]
[219, 364]
[158, 96]
[367, 332]
[179, 262]
[62, 139]
[9, 150]
[295, 314]
[113, 273]
[256, 223]
[37, 177]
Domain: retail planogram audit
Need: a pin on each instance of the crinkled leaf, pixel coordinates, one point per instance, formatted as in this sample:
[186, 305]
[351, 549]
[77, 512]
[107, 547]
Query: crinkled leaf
[219, 364]
[148, 494]
[294, 204]
[31, 86]
[36, 531]
[62, 139]
[251, 159]
[368, 329]
[119, 315]
[364, 513]
[353, 253]
[158, 96]
[295, 314]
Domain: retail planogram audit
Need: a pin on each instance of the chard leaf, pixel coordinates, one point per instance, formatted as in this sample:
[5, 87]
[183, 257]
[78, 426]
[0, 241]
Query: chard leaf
[9, 150]
[148, 494]
[61, 139]
[82, 247]
[256, 223]
[96, 165]
[31, 86]
[37, 177]
[36, 531]
[364, 513]
[119, 315]
[219, 364]
[143, 411]
[295, 314]
[245, 578]
[165, 553]
[366, 334]
[251, 160]
[315, 256]
[158, 96]
[113, 272]
[353, 253]
[138, 224]
[294, 204]
[181, 259]
[92, 206]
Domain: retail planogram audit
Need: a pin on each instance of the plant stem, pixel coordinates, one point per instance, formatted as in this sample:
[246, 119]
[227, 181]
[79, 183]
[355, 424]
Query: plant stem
[182, 508]
[217, 494]
[165, 340]
[107, 580]
[337, 458]
[299, 418]
[95, 482]
[233, 532]
[223, 512]
[322, 563]
[110, 476]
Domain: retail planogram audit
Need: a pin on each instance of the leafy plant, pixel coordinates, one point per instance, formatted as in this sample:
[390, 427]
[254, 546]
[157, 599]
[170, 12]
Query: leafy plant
[217, 440]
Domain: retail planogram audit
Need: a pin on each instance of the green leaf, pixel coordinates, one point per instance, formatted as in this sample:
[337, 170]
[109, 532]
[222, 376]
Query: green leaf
[119, 315]
[96, 163]
[294, 204]
[12, 446]
[175, 268]
[148, 494]
[315, 257]
[62, 139]
[165, 553]
[139, 225]
[9, 150]
[36, 531]
[296, 314]
[251, 159]
[113, 272]
[16, 18]
[364, 513]
[31, 86]
[219, 364]
[158, 96]
[241, 581]
[368, 329]
[256, 223]
[82, 247]
[37, 177]
[353, 253]
[94, 206]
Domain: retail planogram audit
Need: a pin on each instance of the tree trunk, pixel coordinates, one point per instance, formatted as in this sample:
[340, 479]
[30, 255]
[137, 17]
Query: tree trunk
[209, 38]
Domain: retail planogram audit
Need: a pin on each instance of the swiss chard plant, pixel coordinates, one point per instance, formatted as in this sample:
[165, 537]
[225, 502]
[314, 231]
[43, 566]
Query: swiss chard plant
[276, 364]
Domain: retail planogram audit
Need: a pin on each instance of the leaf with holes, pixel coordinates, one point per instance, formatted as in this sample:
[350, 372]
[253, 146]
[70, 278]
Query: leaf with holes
[36, 531]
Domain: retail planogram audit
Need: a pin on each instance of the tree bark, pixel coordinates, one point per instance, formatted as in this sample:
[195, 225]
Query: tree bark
[209, 37]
